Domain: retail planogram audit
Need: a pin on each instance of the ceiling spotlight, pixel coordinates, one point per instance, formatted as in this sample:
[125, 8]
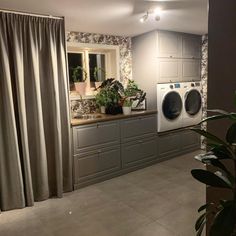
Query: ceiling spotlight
[157, 11]
[144, 18]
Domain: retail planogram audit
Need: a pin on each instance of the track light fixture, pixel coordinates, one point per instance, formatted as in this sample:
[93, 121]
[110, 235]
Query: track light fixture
[156, 12]
[144, 18]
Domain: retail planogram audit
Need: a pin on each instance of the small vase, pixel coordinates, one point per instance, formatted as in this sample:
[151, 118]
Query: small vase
[80, 87]
[103, 109]
[126, 110]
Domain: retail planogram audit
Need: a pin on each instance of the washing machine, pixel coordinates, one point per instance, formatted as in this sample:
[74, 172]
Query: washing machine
[192, 103]
[169, 106]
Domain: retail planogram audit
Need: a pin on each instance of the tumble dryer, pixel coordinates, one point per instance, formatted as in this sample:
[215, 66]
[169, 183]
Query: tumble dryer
[169, 106]
[192, 103]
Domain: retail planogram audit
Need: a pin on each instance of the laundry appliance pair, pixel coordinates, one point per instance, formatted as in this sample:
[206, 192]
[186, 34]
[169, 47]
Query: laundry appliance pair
[179, 105]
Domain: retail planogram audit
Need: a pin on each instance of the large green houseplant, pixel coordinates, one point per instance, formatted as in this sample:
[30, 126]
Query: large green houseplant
[222, 213]
[79, 76]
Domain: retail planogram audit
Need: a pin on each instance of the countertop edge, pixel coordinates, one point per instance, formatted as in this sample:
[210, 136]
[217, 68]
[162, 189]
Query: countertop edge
[105, 117]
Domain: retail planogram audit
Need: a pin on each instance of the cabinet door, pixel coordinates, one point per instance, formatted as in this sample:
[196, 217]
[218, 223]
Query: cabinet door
[96, 163]
[191, 47]
[169, 145]
[169, 70]
[90, 136]
[190, 140]
[169, 45]
[138, 152]
[191, 70]
[133, 128]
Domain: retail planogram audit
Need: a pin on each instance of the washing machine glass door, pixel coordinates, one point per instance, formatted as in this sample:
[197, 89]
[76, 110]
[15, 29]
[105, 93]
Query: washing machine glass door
[172, 105]
[193, 102]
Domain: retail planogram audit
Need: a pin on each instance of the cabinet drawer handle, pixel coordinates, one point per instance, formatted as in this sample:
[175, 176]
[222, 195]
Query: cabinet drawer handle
[140, 141]
[99, 151]
[171, 56]
[97, 125]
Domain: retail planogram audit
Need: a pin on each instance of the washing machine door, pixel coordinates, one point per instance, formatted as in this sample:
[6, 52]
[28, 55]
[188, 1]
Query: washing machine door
[172, 105]
[193, 102]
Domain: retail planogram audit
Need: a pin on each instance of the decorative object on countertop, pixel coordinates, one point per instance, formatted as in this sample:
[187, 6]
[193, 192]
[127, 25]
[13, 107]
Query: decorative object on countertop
[82, 106]
[109, 95]
[136, 95]
[79, 76]
[223, 212]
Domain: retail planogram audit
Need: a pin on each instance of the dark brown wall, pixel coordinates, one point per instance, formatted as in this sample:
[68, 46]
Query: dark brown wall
[221, 68]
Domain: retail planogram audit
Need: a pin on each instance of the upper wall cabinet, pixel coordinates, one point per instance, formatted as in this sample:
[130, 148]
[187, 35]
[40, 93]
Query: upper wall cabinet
[191, 47]
[178, 45]
[169, 45]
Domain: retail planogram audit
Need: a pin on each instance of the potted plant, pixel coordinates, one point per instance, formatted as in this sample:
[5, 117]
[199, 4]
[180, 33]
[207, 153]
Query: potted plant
[112, 91]
[222, 213]
[101, 100]
[126, 107]
[79, 76]
[96, 72]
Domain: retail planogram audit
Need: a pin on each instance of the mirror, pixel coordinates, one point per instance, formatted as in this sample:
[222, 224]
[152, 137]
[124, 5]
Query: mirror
[91, 64]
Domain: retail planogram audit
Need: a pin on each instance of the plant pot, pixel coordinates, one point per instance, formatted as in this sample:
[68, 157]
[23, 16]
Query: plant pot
[103, 109]
[80, 87]
[98, 84]
[126, 110]
[113, 110]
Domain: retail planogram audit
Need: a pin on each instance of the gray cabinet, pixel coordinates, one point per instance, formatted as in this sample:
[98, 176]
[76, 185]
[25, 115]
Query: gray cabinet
[96, 163]
[177, 143]
[139, 127]
[169, 70]
[138, 152]
[191, 70]
[169, 45]
[191, 46]
[86, 137]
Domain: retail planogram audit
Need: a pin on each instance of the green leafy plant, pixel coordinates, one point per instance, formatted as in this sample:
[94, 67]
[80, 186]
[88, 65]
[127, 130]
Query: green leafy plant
[131, 89]
[127, 102]
[79, 74]
[222, 213]
[96, 71]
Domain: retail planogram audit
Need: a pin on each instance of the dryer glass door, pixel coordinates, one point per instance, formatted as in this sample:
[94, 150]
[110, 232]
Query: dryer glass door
[172, 105]
[193, 102]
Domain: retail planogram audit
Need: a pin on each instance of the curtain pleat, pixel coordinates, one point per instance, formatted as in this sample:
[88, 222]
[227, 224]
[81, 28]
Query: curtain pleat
[35, 158]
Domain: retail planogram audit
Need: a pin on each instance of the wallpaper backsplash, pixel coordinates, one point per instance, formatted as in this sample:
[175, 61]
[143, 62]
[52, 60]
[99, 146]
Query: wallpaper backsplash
[124, 43]
[204, 76]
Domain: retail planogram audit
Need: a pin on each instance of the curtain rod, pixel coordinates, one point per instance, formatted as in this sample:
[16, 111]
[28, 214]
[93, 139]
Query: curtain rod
[30, 14]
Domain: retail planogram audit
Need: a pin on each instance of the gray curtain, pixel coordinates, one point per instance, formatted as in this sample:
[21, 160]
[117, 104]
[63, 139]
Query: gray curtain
[35, 160]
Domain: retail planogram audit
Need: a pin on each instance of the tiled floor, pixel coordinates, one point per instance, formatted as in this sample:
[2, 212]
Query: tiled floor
[160, 200]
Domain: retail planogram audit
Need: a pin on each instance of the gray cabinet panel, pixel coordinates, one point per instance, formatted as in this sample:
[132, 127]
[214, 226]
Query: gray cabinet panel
[169, 70]
[96, 163]
[88, 136]
[138, 152]
[169, 144]
[190, 140]
[169, 45]
[191, 46]
[135, 127]
[191, 70]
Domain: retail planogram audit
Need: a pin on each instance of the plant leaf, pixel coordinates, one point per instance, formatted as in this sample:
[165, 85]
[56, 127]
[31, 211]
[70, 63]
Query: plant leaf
[223, 176]
[231, 134]
[199, 233]
[224, 222]
[199, 221]
[221, 152]
[209, 136]
[209, 178]
[205, 206]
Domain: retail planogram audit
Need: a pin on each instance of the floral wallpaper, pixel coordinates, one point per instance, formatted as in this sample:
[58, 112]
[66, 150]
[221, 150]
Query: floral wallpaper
[204, 75]
[124, 43]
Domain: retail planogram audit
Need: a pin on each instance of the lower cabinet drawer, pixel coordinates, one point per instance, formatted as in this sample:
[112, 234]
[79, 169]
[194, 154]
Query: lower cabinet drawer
[138, 151]
[96, 163]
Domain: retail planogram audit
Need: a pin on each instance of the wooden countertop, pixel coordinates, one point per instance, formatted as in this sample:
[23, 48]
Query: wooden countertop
[98, 117]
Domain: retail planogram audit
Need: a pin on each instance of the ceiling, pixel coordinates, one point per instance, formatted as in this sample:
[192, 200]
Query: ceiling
[120, 17]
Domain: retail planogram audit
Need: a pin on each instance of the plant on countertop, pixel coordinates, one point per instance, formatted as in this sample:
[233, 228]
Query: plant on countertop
[79, 74]
[109, 95]
[223, 212]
